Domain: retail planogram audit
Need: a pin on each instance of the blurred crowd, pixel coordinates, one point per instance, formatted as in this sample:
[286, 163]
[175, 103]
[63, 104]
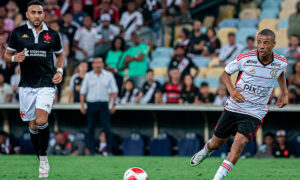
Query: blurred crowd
[123, 34]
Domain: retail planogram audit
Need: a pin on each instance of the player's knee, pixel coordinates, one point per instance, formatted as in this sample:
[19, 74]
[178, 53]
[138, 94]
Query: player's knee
[41, 121]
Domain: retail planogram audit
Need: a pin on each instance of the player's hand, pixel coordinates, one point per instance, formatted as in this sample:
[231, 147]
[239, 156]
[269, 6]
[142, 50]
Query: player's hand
[83, 110]
[20, 57]
[57, 78]
[282, 101]
[237, 96]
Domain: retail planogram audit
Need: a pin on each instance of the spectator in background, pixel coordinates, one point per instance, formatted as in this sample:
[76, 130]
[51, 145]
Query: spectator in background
[265, 150]
[221, 97]
[204, 96]
[8, 144]
[173, 87]
[283, 149]
[173, 7]
[213, 44]
[195, 3]
[106, 33]
[106, 7]
[9, 23]
[6, 92]
[183, 38]
[230, 50]
[294, 79]
[293, 96]
[113, 60]
[198, 40]
[294, 22]
[131, 21]
[273, 99]
[76, 81]
[182, 63]
[101, 145]
[250, 45]
[2, 51]
[129, 93]
[292, 53]
[77, 12]
[151, 90]
[52, 11]
[14, 82]
[3, 30]
[98, 87]
[68, 28]
[135, 58]
[189, 91]
[64, 146]
[13, 13]
[85, 40]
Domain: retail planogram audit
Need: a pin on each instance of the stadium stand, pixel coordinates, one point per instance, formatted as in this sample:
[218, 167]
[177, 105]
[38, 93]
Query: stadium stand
[161, 146]
[133, 145]
[189, 145]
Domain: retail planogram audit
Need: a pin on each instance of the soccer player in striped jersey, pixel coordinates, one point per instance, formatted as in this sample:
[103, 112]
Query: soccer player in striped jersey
[247, 105]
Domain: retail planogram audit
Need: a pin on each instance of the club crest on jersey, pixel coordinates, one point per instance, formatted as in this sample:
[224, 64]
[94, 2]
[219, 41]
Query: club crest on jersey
[273, 73]
[25, 36]
[253, 71]
[47, 38]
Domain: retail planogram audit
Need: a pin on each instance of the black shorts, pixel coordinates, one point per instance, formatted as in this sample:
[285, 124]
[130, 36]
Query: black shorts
[230, 123]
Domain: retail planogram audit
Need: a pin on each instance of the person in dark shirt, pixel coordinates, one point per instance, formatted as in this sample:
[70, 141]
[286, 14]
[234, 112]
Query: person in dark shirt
[204, 96]
[76, 81]
[198, 40]
[189, 91]
[213, 44]
[8, 144]
[182, 63]
[69, 29]
[172, 88]
[151, 90]
[33, 45]
[283, 148]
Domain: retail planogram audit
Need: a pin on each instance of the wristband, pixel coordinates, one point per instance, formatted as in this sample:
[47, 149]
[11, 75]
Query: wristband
[13, 58]
[60, 70]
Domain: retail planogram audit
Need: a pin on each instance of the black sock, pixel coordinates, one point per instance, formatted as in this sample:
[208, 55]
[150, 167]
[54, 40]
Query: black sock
[34, 136]
[43, 139]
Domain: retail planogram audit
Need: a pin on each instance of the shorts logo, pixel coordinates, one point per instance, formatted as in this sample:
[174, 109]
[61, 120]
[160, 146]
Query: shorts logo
[48, 106]
[273, 73]
[22, 114]
[47, 38]
[25, 36]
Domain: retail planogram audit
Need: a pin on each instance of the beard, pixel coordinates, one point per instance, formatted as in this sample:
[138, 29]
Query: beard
[36, 25]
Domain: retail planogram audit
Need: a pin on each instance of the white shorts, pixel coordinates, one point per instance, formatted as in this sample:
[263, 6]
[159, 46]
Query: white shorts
[35, 98]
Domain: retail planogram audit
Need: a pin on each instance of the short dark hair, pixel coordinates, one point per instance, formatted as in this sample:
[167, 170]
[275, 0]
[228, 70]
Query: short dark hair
[272, 135]
[123, 44]
[149, 70]
[204, 84]
[231, 34]
[179, 46]
[35, 2]
[267, 32]
[250, 38]
[296, 36]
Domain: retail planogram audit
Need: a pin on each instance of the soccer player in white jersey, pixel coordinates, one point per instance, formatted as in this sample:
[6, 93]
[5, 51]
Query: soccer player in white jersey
[247, 105]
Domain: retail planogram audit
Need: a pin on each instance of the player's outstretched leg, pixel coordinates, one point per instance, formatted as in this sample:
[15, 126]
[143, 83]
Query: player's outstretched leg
[211, 145]
[237, 148]
[34, 137]
[43, 128]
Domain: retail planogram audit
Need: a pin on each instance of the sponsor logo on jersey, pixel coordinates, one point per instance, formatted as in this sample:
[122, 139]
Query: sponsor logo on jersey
[25, 36]
[257, 90]
[275, 64]
[273, 73]
[251, 62]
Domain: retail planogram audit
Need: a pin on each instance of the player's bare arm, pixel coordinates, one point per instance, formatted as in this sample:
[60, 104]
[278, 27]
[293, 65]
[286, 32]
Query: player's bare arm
[283, 97]
[82, 107]
[234, 93]
[57, 78]
[9, 56]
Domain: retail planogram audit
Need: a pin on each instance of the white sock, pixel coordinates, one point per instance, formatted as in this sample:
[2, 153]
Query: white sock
[43, 158]
[223, 170]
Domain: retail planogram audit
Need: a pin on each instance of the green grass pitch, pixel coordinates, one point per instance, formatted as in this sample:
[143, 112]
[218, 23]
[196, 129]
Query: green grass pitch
[158, 168]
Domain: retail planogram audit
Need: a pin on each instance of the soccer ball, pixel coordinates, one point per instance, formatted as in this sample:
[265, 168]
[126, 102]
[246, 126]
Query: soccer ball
[135, 173]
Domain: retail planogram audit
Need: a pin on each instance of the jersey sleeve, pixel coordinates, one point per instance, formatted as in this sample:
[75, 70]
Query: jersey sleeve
[233, 67]
[13, 41]
[57, 48]
[113, 88]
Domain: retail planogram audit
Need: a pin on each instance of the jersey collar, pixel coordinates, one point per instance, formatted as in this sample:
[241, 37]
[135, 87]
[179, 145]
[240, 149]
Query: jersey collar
[44, 26]
[262, 62]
